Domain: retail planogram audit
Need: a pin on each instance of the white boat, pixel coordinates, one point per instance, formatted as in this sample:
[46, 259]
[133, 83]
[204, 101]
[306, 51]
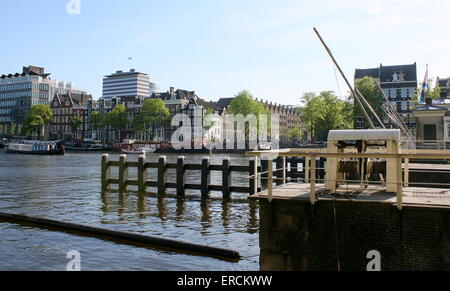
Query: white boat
[35, 148]
[140, 151]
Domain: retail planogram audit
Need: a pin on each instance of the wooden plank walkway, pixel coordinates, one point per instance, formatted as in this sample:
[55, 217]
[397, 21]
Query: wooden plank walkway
[411, 196]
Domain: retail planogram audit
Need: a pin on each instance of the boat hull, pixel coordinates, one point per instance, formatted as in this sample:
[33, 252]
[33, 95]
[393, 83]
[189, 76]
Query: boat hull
[37, 153]
[73, 149]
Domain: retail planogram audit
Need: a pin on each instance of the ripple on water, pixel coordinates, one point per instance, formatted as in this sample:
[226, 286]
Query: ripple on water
[67, 188]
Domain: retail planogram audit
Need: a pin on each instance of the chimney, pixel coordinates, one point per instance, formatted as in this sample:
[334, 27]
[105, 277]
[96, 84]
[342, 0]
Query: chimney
[172, 90]
[429, 101]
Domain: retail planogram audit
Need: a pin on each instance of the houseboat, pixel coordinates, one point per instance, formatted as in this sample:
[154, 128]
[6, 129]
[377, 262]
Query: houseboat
[35, 148]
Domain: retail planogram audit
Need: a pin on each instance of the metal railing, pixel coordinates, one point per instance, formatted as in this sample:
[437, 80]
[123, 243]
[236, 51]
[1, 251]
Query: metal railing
[401, 161]
[427, 144]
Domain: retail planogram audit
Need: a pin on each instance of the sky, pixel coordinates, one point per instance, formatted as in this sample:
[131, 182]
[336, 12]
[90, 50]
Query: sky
[220, 47]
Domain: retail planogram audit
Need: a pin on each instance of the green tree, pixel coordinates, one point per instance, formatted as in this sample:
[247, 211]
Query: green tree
[435, 93]
[311, 112]
[369, 90]
[325, 112]
[95, 121]
[75, 122]
[11, 129]
[335, 114]
[117, 119]
[154, 113]
[36, 119]
[295, 134]
[245, 104]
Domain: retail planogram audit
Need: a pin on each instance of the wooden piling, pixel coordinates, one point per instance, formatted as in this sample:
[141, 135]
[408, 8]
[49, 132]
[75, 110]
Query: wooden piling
[226, 178]
[205, 177]
[204, 170]
[122, 237]
[106, 173]
[252, 172]
[162, 175]
[181, 161]
[123, 174]
[142, 175]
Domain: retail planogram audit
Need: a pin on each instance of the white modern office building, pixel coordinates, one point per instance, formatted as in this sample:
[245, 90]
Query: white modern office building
[20, 91]
[124, 84]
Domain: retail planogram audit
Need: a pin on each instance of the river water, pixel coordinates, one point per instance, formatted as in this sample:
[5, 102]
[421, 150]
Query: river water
[67, 188]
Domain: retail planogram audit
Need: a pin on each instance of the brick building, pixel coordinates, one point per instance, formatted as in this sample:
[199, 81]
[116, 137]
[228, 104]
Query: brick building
[289, 115]
[64, 106]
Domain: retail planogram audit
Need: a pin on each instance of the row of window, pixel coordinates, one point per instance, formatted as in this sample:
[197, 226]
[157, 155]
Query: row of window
[39, 102]
[5, 119]
[18, 94]
[7, 103]
[400, 93]
[16, 87]
[58, 111]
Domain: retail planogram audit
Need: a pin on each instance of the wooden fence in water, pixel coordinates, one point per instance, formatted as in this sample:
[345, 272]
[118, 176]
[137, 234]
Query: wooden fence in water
[285, 169]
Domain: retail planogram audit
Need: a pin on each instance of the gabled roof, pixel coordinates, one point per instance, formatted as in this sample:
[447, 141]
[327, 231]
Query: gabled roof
[224, 102]
[384, 73]
[361, 73]
[430, 108]
[206, 104]
[441, 101]
[178, 94]
[410, 72]
[75, 98]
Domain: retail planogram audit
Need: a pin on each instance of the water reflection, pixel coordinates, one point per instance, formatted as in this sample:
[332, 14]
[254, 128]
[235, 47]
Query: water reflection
[208, 208]
[68, 189]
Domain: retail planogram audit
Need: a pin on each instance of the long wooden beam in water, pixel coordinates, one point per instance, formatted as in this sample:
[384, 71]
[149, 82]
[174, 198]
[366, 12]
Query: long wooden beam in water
[123, 237]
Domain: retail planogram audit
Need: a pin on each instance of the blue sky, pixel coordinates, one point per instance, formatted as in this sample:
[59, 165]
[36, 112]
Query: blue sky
[219, 47]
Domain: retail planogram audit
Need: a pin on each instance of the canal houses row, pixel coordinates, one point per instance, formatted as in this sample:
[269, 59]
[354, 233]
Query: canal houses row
[18, 92]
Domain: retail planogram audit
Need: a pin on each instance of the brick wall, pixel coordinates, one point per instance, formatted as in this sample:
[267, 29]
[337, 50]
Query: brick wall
[295, 235]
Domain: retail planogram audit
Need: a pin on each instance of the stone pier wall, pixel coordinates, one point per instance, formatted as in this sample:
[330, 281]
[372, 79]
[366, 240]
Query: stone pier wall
[294, 235]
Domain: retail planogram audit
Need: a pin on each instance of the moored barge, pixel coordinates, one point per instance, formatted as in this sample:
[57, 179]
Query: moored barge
[35, 148]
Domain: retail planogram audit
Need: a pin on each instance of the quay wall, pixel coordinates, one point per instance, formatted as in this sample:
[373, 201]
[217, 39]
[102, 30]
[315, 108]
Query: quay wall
[297, 236]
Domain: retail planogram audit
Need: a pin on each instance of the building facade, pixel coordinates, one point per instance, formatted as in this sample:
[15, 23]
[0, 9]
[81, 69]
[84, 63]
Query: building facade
[184, 101]
[289, 116]
[130, 84]
[433, 122]
[399, 84]
[20, 91]
[64, 106]
[444, 84]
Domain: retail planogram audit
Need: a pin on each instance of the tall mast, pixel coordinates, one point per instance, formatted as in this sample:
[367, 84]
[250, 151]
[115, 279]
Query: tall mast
[355, 96]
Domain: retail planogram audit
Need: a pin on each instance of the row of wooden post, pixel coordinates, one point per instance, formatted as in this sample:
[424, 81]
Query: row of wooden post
[162, 184]
[280, 172]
